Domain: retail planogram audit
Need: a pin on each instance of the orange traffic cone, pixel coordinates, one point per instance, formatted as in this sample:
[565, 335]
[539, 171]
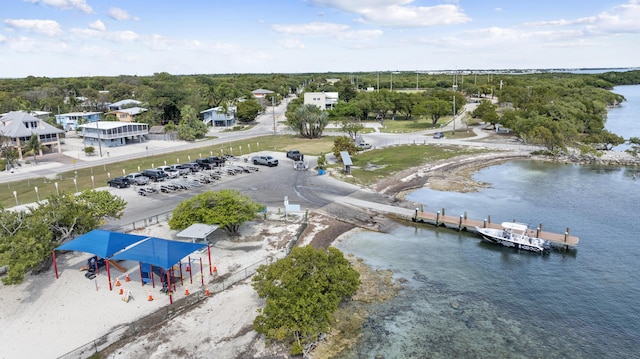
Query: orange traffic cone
[188, 269]
[207, 293]
[127, 279]
[150, 297]
[121, 291]
[117, 282]
[215, 269]
[186, 291]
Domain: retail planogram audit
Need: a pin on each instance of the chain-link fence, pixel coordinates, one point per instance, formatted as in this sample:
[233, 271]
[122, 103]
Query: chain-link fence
[160, 316]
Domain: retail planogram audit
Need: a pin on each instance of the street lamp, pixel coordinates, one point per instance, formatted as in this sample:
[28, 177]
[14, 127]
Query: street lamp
[37, 194]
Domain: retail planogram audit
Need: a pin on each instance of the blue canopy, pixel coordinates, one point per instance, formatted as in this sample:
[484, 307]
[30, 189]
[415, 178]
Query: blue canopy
[101, 243]
[163, 253]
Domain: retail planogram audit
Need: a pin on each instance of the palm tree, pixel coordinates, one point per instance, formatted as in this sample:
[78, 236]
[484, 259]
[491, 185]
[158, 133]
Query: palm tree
[34, 146]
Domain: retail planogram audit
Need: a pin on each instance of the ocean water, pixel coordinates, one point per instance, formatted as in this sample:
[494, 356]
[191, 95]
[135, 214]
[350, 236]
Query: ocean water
[624, 120]
[464, 298]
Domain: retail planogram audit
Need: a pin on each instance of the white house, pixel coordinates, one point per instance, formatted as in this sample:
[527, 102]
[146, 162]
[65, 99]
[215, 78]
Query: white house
[324, 100]
[113, 133]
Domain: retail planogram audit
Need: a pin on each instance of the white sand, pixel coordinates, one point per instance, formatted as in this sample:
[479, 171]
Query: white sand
[46, 318]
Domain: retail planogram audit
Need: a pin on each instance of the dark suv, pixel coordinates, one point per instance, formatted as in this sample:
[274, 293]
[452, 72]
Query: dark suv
[120, 182]
[155, 174]
[205, 164]
[192, 166]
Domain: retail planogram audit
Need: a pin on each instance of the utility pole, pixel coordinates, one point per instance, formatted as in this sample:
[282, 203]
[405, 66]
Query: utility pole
[454, 115]
[99, 139]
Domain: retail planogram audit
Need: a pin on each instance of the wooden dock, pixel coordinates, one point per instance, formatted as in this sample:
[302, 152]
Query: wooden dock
[462, 223]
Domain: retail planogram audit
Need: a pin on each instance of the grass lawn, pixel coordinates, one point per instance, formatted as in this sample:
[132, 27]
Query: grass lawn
[407, 126]
[372, 166]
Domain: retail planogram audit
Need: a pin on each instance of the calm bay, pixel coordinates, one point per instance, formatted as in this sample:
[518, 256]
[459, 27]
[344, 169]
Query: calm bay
[465, 298]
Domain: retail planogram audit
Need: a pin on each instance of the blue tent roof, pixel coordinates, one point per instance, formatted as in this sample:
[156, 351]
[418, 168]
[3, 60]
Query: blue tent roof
[101, 243]
[159, 252]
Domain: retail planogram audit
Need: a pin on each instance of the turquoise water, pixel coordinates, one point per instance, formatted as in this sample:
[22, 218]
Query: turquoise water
[467, 299]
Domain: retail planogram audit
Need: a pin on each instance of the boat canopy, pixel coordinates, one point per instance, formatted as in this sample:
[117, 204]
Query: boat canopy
[514, 226]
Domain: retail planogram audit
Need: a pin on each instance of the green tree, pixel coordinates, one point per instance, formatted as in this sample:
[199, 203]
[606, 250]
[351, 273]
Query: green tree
[635, 146]
[190, 128]
[33, 146]
[435, 108]
[309, 121]
[302, 291]
[27, 238]
[248, 110]
[227, 208]
[344, 143]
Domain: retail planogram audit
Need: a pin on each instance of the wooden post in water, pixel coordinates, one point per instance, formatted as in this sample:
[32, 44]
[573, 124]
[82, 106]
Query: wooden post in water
[460, 223]
[437, 218]
[415, 219]
[465, 215]
[566, 236]
[484, 225]
[443, 211]
[488, 219]
[538, 232]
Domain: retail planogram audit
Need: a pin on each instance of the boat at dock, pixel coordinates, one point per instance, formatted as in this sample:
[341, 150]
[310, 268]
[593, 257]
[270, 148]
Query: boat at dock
[515, 235]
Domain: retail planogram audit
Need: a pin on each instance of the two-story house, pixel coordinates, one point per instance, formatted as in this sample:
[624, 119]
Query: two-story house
[71, 120]
[324, 100]
[18, 126]
[127, 114]
[216, 117]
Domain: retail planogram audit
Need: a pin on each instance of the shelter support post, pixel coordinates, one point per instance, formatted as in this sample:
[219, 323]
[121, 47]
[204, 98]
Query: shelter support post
[106, 264]
[55, 264]
[210, 264]
[201, 272]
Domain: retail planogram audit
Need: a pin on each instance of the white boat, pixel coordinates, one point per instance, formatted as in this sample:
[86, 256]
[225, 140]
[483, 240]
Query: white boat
[515, 235]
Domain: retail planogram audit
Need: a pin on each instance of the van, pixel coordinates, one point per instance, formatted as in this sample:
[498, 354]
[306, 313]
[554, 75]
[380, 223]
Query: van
[155, 174]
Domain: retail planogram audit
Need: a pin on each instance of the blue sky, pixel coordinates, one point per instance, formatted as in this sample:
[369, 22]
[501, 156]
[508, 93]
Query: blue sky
[59, 38]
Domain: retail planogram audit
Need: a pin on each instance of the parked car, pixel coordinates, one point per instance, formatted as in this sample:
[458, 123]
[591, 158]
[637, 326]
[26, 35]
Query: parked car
[205, 164]
[181, 169]
[363, 146]
[155, 174]
[169, 171]
[264, 160]
[438, 135]
[192, 166]
[119, 182]
[138, 178]
[295, 155]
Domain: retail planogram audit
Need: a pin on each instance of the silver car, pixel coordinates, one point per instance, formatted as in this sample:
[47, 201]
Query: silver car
[138, 178]
[181, 169]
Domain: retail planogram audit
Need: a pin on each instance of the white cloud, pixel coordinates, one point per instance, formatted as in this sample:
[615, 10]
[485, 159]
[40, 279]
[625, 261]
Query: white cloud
[399, 13]
[65, 4]
[361, 35]
[313, 28]
[291, 43]
[113, 36]
[98, 26]
[621, 19]
[120, 14]
[45, 27]
[498, 9]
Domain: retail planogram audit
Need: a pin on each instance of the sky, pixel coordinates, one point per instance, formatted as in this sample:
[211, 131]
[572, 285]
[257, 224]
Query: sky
[78, 38]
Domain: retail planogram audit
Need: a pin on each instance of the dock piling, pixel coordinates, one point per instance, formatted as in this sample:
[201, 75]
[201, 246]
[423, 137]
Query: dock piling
[438, 218]
[460, 223]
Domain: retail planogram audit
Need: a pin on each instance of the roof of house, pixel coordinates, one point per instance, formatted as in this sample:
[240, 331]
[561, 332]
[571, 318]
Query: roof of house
[131, 111]
[219, 109]
[108, 125]
[156, 129]
[12, 124]
[125, 103]
[78, 114]
[261, 91]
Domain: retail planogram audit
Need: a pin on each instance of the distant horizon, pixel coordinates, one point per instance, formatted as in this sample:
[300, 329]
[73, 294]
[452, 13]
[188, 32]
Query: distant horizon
[446, 71]
[110, 38]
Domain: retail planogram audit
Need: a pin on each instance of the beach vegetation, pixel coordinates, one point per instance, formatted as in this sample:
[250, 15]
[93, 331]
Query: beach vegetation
[27, 237]
[302, 291]
[226, 208]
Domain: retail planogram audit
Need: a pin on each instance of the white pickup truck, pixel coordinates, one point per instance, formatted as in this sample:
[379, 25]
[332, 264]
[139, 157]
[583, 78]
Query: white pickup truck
[264, 160]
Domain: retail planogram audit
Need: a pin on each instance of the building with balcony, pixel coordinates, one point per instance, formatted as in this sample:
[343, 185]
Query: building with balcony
[18, 127]
[71, 120]
[324, 100]
[113, 134]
